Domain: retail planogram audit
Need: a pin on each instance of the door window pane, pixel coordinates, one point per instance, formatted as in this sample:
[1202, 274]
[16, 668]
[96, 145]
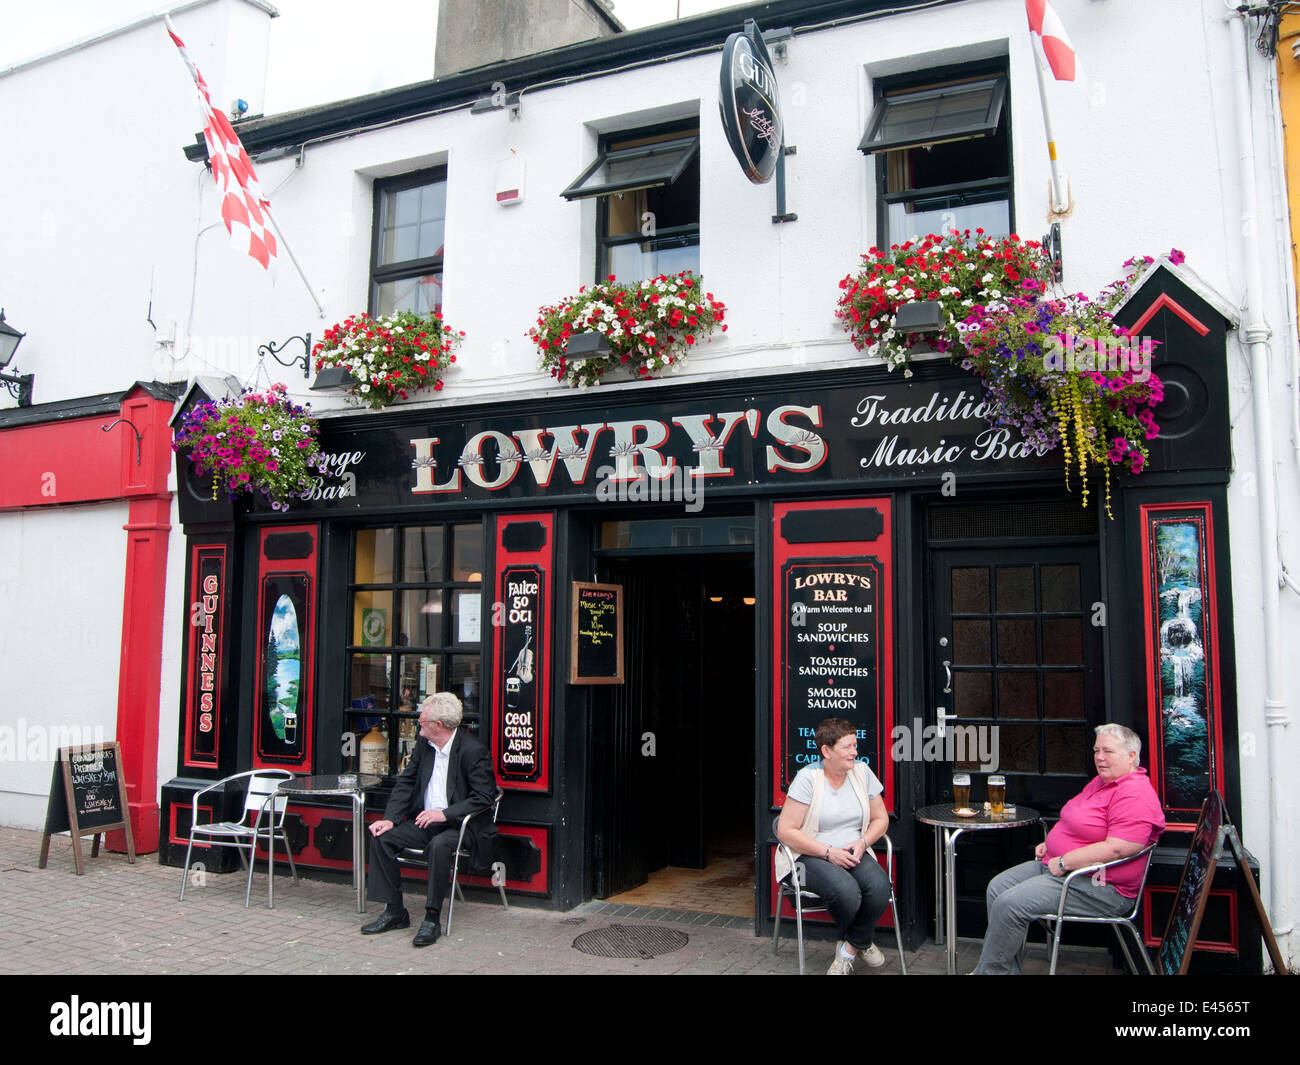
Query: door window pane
[1015, 589]
[973, 694]
[1063, 695]
[422, 618]
[467, 558]
[1063, 641]
[1018, 748]
[1017, 641]
[372, 618]
[1068, 749]
[374, 557]
[1017, 695]
[970, 590]
[970, 643]
[422, 554]
[1060, 588]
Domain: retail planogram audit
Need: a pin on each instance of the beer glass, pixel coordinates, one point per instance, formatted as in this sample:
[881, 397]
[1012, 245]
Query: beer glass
[961, 790]
[997, 793]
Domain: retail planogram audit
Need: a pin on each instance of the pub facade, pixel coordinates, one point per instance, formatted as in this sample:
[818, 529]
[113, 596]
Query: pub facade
[783, 529]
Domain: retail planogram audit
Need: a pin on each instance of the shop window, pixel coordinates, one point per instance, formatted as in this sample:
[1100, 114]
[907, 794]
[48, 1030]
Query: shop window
[406, 260]
[647, 187]
[416, 610]
[943, 155]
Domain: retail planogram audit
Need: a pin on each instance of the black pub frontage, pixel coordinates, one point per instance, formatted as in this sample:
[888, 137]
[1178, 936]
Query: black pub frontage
[847, 543]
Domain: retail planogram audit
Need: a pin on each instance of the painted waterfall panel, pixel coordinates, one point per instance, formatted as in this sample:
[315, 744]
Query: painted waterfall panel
[1182, 657]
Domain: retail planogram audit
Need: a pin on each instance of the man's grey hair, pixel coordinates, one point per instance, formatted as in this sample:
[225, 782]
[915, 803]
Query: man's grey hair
[444, 708]
[1131, 740]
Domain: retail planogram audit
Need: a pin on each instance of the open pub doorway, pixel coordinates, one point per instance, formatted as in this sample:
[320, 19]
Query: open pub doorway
[673, 747]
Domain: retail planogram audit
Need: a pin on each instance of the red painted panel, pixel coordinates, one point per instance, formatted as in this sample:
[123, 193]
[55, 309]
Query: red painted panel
[882, 549]
[307, 569]
[542, 560]
[205, 653]
[539, 882]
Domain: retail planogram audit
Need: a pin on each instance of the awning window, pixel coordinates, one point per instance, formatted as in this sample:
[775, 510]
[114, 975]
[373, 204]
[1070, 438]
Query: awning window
[933, 116]
[646, 166]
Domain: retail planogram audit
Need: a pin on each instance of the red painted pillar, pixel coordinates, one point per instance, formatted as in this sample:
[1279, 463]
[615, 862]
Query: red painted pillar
[144, 597]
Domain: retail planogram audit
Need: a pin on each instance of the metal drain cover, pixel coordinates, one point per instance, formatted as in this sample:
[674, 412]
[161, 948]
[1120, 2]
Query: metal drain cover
[631, 941]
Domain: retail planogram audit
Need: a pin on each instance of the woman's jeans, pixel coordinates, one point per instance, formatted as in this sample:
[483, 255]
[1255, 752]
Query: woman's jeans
[855, 897]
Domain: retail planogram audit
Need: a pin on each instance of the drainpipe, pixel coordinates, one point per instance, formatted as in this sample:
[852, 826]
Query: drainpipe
[1255, 332]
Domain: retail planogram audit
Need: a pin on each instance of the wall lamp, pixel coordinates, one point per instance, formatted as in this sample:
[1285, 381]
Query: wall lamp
[586, 345]
[19, 385]
[273, 349]
[498, 101]
[917, 320]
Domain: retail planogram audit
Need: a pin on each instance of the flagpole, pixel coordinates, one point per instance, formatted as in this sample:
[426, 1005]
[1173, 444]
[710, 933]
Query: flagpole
[1059, 202]
[266, 208]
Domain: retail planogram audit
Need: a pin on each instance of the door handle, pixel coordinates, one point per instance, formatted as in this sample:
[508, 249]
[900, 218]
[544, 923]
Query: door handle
[947, 669]
[942, 717]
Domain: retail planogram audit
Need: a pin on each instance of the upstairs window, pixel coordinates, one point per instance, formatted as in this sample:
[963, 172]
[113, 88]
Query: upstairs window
[647, 185]
[943, 156]
[406, 262]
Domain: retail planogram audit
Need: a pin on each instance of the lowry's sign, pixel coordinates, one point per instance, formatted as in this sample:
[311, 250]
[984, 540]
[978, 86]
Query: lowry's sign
[750, 104]
[890, 430]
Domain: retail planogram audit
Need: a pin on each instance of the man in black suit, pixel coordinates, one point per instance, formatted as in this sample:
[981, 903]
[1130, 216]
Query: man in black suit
[448, 777]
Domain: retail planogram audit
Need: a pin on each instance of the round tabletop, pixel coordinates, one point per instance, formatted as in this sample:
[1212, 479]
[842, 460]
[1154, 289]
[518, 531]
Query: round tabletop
[330, 784]
[941, 814]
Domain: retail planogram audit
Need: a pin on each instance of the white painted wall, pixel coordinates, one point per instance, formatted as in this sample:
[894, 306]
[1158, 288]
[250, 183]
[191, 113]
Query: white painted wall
[107, 213]
[61, 574]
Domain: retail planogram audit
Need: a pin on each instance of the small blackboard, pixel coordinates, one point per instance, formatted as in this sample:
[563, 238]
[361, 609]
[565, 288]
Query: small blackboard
[87, 798]
[596, 652]
[1213, 830]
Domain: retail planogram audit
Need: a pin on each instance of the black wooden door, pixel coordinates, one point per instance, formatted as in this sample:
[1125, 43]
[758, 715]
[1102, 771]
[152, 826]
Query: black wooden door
[1016, 652]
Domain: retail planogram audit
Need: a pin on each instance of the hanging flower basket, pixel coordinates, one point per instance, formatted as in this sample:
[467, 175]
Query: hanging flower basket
[964, 276]
[1056, 369]
[256, 443]
[651, 326]
[390, 357]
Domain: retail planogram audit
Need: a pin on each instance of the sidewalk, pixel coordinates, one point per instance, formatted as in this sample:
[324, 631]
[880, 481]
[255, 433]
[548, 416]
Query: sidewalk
[126, 919]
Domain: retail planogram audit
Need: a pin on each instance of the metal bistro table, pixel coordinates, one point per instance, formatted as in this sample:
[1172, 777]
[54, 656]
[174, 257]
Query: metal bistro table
[326, 786]
[950, 826]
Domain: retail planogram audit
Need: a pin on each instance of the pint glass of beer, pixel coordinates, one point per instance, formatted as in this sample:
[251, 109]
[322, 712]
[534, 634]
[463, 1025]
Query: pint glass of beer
[961, 789]
[997, 793]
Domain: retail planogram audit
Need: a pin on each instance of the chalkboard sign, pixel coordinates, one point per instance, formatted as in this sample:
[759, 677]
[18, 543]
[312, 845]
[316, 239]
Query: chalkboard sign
[1213, 830]
[596, 653]
[87, 797]
[1194, 888]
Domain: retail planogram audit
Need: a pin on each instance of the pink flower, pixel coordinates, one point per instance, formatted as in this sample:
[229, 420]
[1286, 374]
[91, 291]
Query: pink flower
[1177, 258]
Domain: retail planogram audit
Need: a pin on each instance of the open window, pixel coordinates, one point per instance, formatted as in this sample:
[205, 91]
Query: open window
[647, 186]
[943, 154]
[409, 227]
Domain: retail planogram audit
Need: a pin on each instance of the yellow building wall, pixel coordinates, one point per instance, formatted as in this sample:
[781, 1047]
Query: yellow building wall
[1288, 83]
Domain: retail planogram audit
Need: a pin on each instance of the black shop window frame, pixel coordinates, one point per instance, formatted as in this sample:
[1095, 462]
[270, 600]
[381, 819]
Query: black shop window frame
[976, 149]
[382, 273]
[669, 160]
[441, 650]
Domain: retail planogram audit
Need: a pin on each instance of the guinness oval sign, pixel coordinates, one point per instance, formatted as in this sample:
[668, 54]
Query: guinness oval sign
[750, 104]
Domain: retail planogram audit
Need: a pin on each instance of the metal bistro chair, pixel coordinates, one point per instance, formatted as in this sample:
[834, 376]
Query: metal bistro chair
[1125, 920]
[413, 858]
[249, 830]
[806, 901]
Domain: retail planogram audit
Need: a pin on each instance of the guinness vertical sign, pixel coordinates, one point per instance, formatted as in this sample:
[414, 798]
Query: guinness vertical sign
[750, 104]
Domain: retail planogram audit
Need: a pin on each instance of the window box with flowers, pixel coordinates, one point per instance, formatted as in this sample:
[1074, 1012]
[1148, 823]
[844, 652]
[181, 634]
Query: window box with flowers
[389, 357]
[1056, 369]
[254, 443]
[650, 327]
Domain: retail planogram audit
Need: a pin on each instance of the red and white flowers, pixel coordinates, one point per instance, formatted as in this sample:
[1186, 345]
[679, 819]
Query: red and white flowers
[650, 325]
[390, 357]
[964, 276]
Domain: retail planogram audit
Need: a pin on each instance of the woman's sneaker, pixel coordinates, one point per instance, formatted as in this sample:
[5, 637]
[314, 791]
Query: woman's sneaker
[872, 957]
[842, 965]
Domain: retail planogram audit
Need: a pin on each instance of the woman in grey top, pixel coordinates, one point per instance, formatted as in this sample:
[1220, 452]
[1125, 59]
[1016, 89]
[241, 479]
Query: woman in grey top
[832, 815]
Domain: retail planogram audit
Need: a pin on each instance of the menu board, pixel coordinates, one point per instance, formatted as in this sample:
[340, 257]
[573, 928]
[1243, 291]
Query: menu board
[596, 654]
[87, 797]
[1193, 888]
[831, 654]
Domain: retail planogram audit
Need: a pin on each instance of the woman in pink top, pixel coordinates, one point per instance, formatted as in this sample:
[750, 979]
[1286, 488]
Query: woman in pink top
[1116, 815]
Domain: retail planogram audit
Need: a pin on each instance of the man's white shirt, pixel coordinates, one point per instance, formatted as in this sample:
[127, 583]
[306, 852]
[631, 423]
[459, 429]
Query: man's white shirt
[435, 795]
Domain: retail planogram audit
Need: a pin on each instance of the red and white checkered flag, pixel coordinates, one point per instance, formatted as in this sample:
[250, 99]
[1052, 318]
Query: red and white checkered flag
[243, 205]
[1060, 52]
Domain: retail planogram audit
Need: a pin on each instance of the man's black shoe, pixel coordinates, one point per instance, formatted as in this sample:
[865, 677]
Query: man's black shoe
[427, 934]
[386, 922]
